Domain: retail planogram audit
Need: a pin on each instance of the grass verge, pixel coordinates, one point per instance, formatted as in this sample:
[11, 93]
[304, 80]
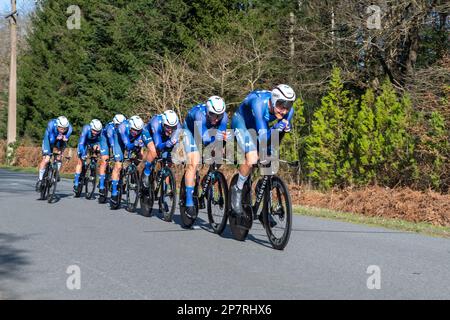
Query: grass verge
[32, 170]
[396, 224]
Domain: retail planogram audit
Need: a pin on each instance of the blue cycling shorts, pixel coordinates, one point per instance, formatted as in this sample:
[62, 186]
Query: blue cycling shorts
[47, 148]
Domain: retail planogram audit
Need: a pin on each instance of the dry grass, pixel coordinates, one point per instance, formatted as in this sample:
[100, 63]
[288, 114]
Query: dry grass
[401, 203]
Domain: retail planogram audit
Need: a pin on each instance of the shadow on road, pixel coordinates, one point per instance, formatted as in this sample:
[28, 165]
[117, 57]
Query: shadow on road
[11, 261]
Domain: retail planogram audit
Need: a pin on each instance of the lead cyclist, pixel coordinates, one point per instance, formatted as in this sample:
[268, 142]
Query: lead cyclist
[256, 112]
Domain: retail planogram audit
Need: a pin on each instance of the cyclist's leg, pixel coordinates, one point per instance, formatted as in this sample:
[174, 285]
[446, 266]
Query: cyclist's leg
[118, 157]
[193, 160]
[247, 144]
[104, 152]
[150, 156]
[78, 169]
[46, 152]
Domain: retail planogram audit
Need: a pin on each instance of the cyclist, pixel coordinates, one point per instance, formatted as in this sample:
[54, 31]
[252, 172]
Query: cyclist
[201, 118]
[259, 108]
[130, 136]
[164, 129]
[56, 136]
[90, 137]
[107, 145]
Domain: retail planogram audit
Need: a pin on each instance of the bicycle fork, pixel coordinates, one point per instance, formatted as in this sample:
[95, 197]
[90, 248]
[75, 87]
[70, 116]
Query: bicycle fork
[260, 195]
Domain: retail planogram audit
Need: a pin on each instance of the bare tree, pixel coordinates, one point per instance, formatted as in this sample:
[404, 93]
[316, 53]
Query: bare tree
[167, 84]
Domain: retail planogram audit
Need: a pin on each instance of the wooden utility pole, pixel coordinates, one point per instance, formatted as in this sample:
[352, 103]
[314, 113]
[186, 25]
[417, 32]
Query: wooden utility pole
[12, 102]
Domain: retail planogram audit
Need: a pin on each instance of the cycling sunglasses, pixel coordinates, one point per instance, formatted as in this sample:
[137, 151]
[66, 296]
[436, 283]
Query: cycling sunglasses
[215, 117]
[284, 104]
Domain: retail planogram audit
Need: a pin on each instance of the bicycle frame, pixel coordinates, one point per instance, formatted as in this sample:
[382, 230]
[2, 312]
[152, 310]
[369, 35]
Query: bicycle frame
[161, 174]
[209, 178]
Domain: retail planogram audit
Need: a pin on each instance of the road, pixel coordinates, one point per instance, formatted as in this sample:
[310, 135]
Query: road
[120, 255]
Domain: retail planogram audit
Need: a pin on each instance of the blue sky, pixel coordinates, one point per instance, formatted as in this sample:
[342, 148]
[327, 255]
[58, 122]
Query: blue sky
[23, 6]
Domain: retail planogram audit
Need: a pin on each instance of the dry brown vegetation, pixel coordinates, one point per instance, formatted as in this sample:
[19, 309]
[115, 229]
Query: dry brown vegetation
[400, 203]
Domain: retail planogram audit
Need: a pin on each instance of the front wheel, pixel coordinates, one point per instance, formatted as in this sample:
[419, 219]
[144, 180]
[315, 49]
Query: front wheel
[241, 224]
[168, 195]
[147, 196]
[52, 181]
[277, 214]
[217, 196]
[91, 180]
[44, 184]
[132, 190]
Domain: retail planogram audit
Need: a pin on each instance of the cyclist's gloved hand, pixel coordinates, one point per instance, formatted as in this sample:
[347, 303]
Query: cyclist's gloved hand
[83, 157]
[280, 126]
[139, 143]
[288, 127]
[169, 144]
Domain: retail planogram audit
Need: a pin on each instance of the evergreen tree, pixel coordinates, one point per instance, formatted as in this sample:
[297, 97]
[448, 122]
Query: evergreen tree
[324, 145]
[392, 118]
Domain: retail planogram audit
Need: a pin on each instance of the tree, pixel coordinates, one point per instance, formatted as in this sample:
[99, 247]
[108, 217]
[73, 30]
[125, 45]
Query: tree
[326, 140]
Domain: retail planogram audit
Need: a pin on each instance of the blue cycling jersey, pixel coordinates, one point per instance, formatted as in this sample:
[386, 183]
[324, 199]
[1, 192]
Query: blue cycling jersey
[156, 128]
[87, 138]
[108, 132]
[255, 112]
[197, 117]
[51, 133]
[126, 139]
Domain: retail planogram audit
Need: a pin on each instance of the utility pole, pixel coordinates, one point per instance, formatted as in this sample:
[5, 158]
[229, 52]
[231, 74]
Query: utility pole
[12, 102]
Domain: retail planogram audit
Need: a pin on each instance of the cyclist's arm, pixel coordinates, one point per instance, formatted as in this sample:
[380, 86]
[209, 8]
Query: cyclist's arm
[176, 135]
[50, 133]
[82, 141]
[125, 139]
[222, 127]
[155, 127]
[146, 137]
[261, 123]
[290, 116]
[200, 123]
[110, 135]
[69, 132]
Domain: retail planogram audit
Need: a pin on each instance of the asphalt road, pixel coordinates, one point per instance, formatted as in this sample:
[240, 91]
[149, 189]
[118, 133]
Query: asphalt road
[121, 255]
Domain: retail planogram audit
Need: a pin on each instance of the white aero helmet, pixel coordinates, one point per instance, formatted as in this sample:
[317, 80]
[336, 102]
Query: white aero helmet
[96, 125]
[62, 122]
[170, 118]
[284, 94]
[118, 119]
[136, 123]
[216, 105]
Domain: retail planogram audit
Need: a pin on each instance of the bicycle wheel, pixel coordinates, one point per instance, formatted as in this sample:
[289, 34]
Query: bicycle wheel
[147, 196]
[240, 225]
[91, 181]
[277, 214]
[44, 185]
[217, 197]
[53, 181]
[168, 194]
[186, 222]
[132, 190]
